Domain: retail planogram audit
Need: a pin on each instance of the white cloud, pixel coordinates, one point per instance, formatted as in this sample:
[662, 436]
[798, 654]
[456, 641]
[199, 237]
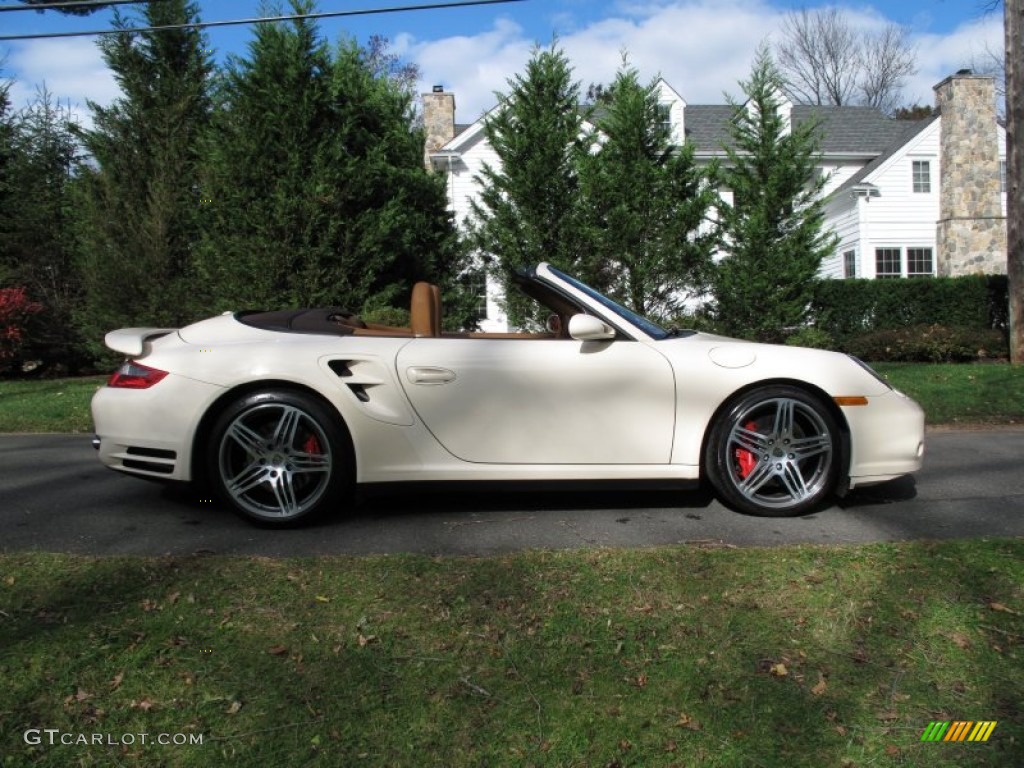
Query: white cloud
[71, 70]
[939, 56]
[702, 47]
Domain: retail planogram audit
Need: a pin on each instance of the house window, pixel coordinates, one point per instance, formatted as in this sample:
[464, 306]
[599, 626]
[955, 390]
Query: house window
[476, 285]
[665, 119]
[850, 264]
[919, 262]
[887, 262]
[922, 173]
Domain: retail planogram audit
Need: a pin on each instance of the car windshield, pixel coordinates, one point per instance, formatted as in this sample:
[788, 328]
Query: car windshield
[651, 329]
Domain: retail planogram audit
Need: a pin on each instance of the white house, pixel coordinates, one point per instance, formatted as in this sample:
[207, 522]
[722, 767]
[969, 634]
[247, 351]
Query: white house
[905, 198]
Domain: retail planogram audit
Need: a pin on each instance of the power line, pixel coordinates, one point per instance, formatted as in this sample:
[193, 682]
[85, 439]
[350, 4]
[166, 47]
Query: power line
[260, 20]
[70, 5]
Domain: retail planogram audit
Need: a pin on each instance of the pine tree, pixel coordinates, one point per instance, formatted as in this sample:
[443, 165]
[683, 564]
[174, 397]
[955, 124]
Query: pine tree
[773, 229]
[140, 202]
[528, 209]
[36, 235]
[646, 206]
[7, 155]
[315, 188]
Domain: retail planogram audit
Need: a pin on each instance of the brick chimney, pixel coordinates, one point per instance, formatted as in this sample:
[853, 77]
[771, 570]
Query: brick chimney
[438, 120]
[971, 232]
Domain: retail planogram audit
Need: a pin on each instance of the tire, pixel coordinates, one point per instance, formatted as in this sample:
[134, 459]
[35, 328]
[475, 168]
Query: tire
[775, 452]
[279, 458]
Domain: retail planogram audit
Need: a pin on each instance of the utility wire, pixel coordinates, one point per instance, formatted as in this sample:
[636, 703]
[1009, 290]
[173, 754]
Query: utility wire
[70, 5]
[259, 20]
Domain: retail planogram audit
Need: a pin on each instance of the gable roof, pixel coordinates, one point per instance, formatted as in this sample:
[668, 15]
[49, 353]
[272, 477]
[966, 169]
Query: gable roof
[848, 131]
[910, 129]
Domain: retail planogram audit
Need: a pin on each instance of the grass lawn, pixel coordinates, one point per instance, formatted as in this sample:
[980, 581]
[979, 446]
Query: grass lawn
[949, 394]
[47, 405]
[798, 656]
[962, 394]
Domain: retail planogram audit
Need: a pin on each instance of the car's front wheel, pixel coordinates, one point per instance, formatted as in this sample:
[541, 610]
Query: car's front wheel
[775, 452]
[279, 457]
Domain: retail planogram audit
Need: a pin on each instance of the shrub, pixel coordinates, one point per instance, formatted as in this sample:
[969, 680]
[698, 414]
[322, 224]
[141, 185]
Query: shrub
[848, 308]
[929, 344]
[15, 310]
[811, 337]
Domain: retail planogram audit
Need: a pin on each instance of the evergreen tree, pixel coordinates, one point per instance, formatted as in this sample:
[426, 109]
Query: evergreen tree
[528, 209]
[315, 187]
[36, 235]
[646, 206]
[773, 228]
[7, 134]
[140, 202]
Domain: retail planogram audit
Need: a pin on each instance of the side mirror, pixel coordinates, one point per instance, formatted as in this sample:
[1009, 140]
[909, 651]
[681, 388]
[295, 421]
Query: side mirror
[590, 328]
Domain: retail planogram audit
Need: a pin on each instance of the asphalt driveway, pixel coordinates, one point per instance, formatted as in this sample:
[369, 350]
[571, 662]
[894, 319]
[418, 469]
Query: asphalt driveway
[56, 497]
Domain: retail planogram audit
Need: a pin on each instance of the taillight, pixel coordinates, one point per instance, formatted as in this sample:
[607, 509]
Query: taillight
[134, 375]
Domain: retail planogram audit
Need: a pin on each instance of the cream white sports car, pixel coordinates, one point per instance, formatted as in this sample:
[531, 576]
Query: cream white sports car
[281, 413]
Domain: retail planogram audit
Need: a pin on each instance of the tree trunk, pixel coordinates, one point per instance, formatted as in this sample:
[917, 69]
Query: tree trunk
[1014, 10]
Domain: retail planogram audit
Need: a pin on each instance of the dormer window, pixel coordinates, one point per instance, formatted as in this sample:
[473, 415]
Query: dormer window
[665, 119]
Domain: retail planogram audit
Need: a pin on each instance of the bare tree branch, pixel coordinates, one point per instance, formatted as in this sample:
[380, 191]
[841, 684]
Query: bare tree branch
[887, 60]
[826, 61]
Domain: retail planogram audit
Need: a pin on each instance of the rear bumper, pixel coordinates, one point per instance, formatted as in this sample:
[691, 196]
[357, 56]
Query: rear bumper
[149, 432]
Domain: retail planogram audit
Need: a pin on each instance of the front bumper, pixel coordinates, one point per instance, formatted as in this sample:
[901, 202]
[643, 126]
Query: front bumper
[887, 438]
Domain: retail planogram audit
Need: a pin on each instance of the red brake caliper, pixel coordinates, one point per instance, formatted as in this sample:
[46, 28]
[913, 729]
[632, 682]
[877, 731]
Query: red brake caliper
[312, 445]
[746, 460]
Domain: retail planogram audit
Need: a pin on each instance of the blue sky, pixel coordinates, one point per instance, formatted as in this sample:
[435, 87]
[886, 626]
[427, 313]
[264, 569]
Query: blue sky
[702, 47]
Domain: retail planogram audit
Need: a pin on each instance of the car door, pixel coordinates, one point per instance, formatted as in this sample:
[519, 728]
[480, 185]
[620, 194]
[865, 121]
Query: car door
[542, 401]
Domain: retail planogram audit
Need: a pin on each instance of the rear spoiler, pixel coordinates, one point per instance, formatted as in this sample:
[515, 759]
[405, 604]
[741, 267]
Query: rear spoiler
[132, 341]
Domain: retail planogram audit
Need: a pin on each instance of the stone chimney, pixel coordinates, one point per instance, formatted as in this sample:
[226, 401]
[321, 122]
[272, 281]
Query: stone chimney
[971, 232]
[438, 120]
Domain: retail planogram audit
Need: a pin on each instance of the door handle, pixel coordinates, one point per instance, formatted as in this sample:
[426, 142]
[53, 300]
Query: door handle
[422, 374]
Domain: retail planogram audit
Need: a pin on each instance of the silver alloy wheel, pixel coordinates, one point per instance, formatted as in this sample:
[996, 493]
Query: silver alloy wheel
[274, 461]
[781, 452]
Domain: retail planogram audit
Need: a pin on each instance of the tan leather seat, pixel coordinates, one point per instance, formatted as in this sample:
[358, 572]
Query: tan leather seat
[425, 310]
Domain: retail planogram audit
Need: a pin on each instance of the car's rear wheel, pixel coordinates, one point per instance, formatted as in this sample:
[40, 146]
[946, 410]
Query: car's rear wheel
[279, 457]
[775, 452]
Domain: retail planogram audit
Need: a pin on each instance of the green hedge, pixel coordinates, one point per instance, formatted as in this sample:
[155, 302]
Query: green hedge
[929, 344]
[849, 308]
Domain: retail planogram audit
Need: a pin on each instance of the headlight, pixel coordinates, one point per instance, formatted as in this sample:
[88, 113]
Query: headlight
[871, 370]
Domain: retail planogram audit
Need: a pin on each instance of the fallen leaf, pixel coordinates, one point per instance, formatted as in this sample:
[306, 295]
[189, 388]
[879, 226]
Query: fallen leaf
[150, 605]
[840, 730]
[116, 682]
[9, 581]
[82, 695]
[685, 721]
[277, 650]
[1001, 608]
[323, 599]
[960, 639]
[173, 597]
[233, 709]
[892, 750]
[145, 705]
[365, 640]
[778, 670]
[820, 686]
[641, 680]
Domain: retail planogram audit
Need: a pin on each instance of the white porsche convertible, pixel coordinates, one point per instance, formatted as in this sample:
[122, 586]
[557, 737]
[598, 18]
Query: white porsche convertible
[281, 413]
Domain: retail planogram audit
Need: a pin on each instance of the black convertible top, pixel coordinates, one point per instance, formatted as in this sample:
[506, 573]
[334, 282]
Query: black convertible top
[330, 321]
